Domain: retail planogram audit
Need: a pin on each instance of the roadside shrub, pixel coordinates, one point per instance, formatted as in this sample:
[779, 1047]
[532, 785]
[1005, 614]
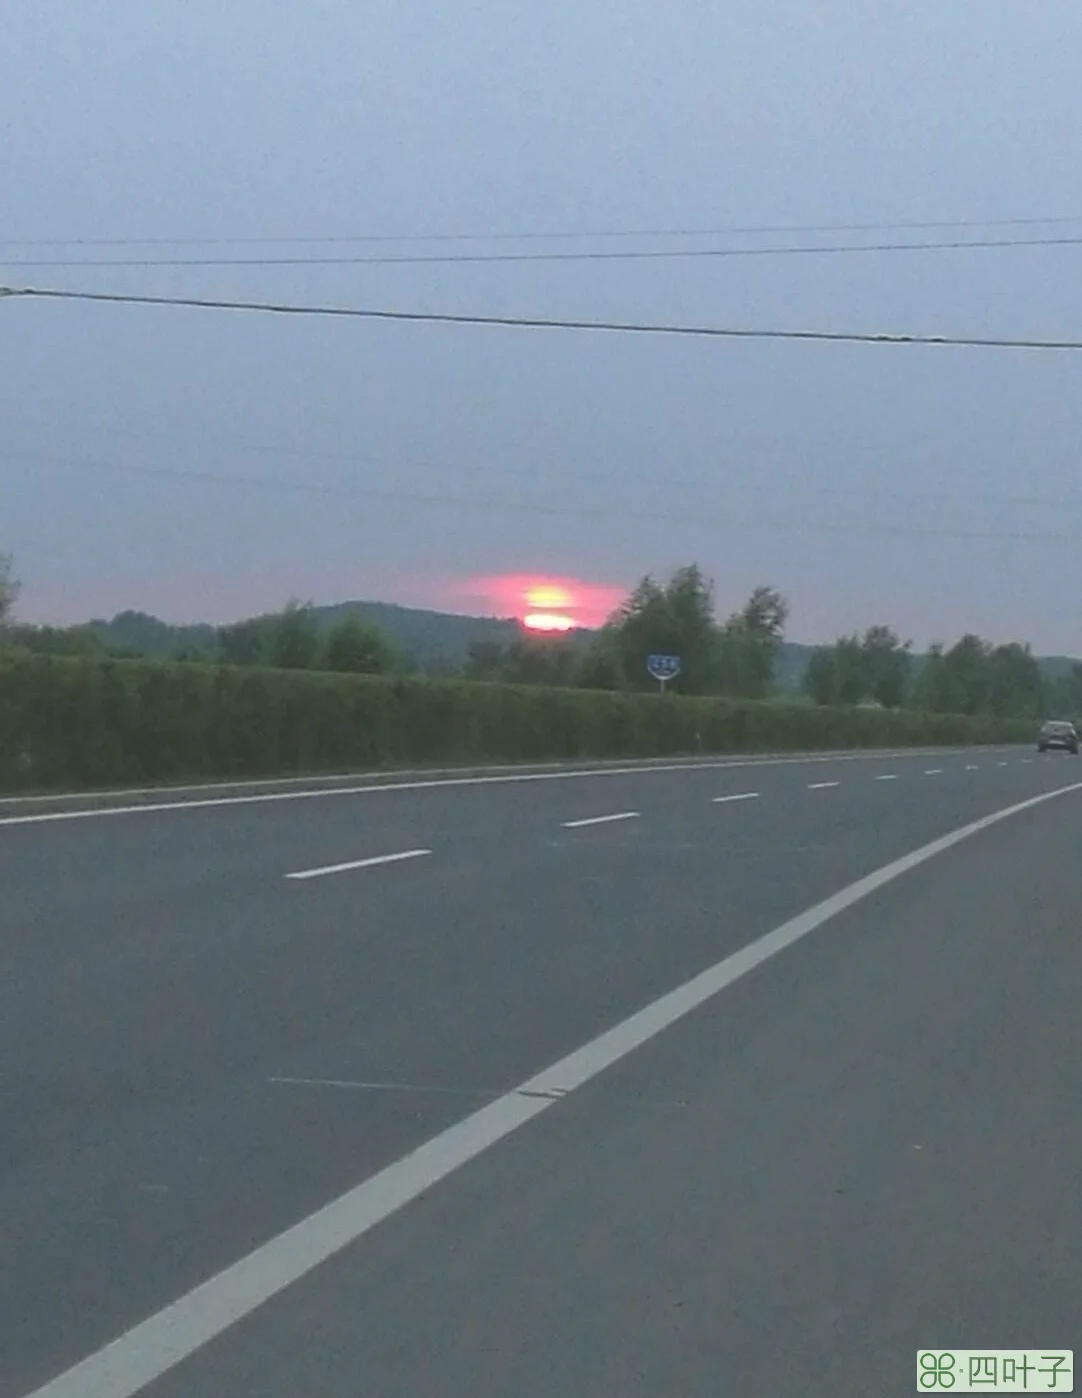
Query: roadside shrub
[71, 722]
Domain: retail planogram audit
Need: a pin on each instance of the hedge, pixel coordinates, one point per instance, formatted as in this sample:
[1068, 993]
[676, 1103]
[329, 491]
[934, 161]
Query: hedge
[76, 723]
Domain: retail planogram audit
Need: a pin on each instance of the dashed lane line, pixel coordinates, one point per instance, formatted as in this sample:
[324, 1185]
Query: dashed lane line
[358, 864]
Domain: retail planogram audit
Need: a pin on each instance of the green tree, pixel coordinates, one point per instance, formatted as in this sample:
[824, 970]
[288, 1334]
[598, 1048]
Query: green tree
[838, 674]
[851, 674]
[601, 665]
[1064, 695]
[958, 680]
[968, 675]
[245, 642]
[9, 588]
[888, 663]
[355, 646]
[541, 660]
[528, 659]
[748, 644]
[293, 638]
[674, 618]
[931, 688]
[1015, 685]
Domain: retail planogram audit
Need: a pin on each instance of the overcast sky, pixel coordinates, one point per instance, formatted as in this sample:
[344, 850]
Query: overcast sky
[451, 454]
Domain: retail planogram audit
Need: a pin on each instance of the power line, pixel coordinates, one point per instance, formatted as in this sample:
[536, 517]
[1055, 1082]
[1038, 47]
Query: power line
[504, 236]
[609, 255]
[554, 510]
[231, 441]
[544, 323]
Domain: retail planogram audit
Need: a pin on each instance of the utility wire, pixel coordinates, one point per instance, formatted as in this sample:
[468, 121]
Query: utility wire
[1069, 497]
[504, 236]
[543, 323]
[595, 512]
[609, 255]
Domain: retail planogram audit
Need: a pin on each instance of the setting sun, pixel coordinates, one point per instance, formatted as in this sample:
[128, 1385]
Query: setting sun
[547, 621]
[548, 596]
[541, 603]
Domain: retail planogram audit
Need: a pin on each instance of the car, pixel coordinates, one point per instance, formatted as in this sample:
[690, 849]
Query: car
[1058, 733]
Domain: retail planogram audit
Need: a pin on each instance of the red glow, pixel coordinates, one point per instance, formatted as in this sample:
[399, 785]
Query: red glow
[561, 604]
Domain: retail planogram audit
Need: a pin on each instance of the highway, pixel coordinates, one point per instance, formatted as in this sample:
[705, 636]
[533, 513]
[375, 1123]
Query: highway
[615, 1084]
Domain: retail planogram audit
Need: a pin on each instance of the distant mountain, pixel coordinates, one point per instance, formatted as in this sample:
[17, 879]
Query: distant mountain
[433, 641]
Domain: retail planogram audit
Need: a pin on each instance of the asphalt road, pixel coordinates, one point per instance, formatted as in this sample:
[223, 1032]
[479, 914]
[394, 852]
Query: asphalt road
[868, 1143]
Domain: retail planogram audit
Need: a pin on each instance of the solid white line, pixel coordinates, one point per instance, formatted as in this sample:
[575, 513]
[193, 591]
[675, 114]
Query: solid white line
[427, 784]
[479, 772]
[821, 786]
[740, 796]
[600, 820]
[407, 1087]
[353, 1084]
[887, 777]
[933, 771]
[359, 864]
[161, 1342]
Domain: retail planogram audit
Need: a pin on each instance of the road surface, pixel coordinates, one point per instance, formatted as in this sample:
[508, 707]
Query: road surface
[216, 1021]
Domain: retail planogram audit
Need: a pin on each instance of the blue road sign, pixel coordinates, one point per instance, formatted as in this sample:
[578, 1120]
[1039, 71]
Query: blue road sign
[663, 667]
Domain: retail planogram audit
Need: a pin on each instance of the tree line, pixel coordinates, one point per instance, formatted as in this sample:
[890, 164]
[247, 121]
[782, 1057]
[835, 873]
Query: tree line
[290, 639]
[734, 656]
[973, 676]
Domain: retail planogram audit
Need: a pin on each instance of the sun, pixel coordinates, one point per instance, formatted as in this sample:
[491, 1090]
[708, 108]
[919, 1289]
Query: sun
[548, 597]
[541, 602]
[546, 603]
[547, 621]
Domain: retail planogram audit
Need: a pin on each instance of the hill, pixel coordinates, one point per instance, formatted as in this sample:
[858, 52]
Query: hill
[433, 641]
[436, 642]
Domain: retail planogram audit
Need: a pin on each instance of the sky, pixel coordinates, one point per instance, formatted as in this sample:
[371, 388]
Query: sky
[204, 465]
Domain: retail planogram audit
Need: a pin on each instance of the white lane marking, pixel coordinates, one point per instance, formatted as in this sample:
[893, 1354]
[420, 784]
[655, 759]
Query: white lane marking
[482, 772]
[428, 784]
[887, 777]
[933, 771]
[384, 1086]
[739, 796]
[600, 820]
[1001, 764]
[821, 786]
[407, 1087]
[161, 1342]
[358, 864]
[971, 766]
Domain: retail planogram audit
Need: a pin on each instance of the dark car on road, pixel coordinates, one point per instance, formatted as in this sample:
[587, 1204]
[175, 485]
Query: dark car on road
[1058, 733]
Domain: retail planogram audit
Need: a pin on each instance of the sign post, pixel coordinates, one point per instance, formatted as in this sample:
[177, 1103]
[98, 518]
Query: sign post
[663, 668]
